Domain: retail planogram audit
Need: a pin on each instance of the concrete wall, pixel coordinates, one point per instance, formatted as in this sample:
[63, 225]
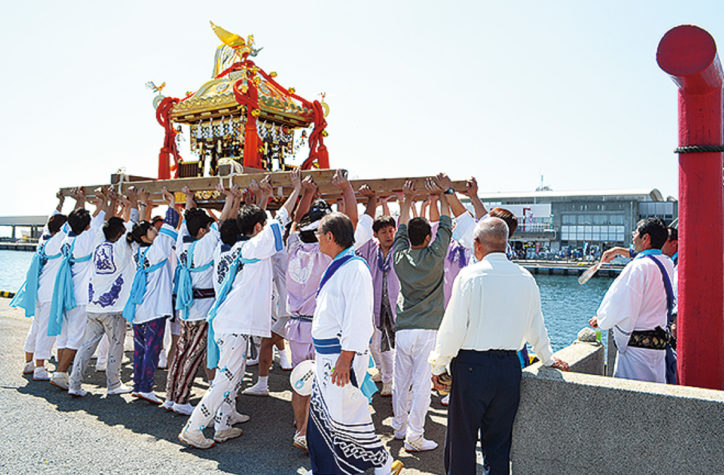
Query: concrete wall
[579, 423]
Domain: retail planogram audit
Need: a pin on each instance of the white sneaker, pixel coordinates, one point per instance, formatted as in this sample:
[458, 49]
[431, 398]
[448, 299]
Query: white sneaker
[184, 409]
[420, 444]
[168, 405]
[300, 442]
[29, 367]
[253, 362]
[445, 401]
[59, 379]
[386, 390]
[122, 389]
[284, 361]
[257, 390]
[195, 439]
[162, 360]
[150, 397]
[239, 418]
[377, 377]
[226, 434]
[77, 392]
[401, 434]
[41, 374]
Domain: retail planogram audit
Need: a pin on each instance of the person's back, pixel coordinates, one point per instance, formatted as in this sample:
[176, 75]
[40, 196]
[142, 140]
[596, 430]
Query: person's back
[508, 295]
[421, 275]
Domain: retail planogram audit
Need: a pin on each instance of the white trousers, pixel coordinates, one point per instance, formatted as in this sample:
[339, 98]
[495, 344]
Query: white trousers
[102, 350]
[220, 399]
[641, 364]
[111, 325]
[71, 335]
[412, 384]
[38, 342]
[384, 361]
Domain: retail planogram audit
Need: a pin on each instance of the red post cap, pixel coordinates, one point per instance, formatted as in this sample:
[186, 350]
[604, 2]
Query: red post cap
[688, 54]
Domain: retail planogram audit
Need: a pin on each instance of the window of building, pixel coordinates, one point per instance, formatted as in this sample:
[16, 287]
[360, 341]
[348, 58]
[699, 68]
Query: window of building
[569, 219]
[616, 219]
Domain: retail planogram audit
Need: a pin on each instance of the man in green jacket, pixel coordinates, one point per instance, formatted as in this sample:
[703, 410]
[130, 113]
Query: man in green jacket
[418, 261]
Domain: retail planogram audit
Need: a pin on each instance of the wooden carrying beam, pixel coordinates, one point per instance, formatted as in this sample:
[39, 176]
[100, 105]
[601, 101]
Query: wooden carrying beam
[280, 182]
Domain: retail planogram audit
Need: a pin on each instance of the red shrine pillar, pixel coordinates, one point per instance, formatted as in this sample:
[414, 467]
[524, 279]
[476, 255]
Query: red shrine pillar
[688, 54]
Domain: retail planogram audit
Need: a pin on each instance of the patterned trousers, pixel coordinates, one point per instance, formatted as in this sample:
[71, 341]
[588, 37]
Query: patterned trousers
[220, 399]
[190, 352]
[147, 344]
[99, 324]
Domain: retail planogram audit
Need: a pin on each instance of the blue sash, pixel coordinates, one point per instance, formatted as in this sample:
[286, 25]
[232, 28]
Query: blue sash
[63, 292]
[183, 283]
[138, 287]
[212, 348]
[332, 346]
[27, 296]
[341, 259]
[667, 286]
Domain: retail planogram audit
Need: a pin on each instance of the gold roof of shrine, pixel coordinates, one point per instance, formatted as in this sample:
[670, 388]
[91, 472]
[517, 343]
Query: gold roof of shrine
[216, 99]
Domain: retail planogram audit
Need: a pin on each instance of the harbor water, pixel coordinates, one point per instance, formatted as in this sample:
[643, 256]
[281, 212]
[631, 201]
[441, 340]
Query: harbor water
[567, 306]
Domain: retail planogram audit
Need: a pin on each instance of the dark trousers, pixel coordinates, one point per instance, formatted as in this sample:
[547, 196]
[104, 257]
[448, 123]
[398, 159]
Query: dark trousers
[671, 377]
[483, 399]
[147, 344]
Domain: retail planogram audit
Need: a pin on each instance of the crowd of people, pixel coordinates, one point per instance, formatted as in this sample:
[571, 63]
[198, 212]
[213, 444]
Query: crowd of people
[431, 296]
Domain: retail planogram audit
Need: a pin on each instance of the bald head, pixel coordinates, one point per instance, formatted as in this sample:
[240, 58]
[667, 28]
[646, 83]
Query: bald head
[492, 233]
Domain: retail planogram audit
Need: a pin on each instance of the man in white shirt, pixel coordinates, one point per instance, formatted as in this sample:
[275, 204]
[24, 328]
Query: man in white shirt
[242, 309]
[108, 290]
[494, 308]
[70, 292]
[637, 304]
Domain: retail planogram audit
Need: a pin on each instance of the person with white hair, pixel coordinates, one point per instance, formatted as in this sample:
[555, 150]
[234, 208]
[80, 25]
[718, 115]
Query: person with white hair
[494, 308]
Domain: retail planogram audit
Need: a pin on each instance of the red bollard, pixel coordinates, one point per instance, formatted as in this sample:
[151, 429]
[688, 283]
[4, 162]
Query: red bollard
[688, 54]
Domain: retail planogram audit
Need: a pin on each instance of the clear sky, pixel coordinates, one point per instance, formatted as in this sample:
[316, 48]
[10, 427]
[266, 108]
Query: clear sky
[505, 91]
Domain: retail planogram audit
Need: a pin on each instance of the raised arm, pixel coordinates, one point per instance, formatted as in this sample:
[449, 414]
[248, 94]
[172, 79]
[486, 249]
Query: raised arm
[350, 201]
[266, 192]
[190, 203]
[131, 208]
[434, 210]
[61, 200]
[408, 190]
[79, 196]
[231, 197]
[471, 189]
[101, 201]
[371, 196]
[383, 202]
[309, 189]
[295, 176]
[444, 182]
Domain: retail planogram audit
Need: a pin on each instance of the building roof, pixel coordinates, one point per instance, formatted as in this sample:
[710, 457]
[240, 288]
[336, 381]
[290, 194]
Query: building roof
[23, 220]
[640, 194]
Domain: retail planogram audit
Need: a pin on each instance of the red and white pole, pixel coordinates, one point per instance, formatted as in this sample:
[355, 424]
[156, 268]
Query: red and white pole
[688, 54]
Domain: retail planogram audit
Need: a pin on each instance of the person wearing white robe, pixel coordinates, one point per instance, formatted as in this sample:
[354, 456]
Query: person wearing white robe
[78, 246]
[195, 249]
[150, 304]
[38, 345]
[636, 301]
[108, 290]
[242, 310]
[340, 434]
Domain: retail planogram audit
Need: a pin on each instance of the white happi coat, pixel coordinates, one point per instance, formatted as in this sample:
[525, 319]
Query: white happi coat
[636, 301]
[203, 253]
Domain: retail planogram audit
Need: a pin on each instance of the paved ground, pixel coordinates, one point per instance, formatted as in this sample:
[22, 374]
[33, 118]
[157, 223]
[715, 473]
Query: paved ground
[44, 430]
